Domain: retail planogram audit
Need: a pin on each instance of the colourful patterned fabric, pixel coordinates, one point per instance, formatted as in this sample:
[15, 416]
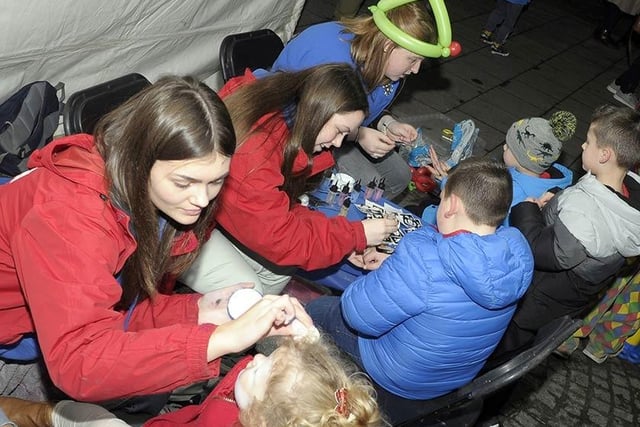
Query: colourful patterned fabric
[617, 316]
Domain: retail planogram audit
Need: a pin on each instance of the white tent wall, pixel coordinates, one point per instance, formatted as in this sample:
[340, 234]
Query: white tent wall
[86, 42]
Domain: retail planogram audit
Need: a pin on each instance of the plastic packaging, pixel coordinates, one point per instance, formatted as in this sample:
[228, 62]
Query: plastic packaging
[405, 148]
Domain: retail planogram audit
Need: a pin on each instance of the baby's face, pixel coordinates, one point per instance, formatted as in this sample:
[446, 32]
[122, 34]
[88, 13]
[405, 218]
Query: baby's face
[252, 381]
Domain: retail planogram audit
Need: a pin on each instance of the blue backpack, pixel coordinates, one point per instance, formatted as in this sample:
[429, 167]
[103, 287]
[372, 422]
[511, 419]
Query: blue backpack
[28, 120]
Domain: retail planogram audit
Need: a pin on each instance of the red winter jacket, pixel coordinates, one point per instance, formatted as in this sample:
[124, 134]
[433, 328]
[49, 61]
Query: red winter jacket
[259, 215]
[218, 410]
[61, 243]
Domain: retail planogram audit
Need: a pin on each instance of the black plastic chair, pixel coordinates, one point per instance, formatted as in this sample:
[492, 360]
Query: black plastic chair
[253, 49]
[464, 405]
[85, 107]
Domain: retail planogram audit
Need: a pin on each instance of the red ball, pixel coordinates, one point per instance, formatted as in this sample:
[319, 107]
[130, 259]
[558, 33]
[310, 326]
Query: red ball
[455, 48]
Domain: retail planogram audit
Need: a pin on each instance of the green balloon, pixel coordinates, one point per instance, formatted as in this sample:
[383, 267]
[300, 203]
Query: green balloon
[408, 42]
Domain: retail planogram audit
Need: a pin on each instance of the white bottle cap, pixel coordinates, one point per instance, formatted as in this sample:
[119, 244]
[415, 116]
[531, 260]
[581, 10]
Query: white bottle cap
[242, 300]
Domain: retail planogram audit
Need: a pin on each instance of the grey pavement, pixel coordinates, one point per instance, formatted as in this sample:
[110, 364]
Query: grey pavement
[555, 64]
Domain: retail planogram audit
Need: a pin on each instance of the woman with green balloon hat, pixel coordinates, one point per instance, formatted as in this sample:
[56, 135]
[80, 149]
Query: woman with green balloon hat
[384, 47]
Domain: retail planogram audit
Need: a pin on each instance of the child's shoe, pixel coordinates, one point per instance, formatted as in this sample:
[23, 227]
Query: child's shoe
[68, 413]
[594, 354]
[597, 353]
[25, 413]
[498, 49]
[628, 99]
[613, 87]
[485, 37]
[567, 348]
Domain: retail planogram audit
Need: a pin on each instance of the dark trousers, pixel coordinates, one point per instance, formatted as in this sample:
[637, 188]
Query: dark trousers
[550, 296]
[503, 19]
[327, 315]
[628, 81]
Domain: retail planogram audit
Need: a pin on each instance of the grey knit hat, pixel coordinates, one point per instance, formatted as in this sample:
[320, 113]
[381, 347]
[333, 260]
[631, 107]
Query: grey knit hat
[536, 142]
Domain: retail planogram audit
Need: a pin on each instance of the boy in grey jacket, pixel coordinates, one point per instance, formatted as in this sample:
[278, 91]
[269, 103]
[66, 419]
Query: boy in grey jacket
[581, 236]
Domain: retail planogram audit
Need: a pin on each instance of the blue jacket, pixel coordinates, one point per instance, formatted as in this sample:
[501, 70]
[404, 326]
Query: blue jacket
[323, 44]
[433, 312]
[532, 186]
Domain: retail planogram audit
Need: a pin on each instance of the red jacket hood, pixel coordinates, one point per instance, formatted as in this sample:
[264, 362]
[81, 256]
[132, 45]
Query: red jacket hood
[75, 158]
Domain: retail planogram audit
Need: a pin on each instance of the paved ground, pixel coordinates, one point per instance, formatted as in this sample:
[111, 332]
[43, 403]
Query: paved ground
[554, 64]
[576, 392]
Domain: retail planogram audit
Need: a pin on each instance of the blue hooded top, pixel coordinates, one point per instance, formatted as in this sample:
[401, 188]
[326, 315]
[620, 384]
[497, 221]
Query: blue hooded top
[324, 44]
[433, 312]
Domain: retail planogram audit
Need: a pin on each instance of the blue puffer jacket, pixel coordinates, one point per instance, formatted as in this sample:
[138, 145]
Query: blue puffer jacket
[433, 312]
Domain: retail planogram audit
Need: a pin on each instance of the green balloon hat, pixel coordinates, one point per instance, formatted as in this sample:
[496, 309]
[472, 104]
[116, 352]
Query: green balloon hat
[445, 46]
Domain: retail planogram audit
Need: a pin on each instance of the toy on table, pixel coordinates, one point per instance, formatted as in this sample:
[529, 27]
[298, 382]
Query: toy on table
[407, 222]
[463, 137]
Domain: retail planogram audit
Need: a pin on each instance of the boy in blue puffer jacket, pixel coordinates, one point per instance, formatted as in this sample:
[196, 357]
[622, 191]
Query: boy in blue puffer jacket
[425, 321]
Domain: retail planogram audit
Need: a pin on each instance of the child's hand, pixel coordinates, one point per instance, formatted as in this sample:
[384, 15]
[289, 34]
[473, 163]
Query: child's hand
[271, 315]
[402, 132]
[356, 259]
[544, 199]
[377, 230]
[373, 259]
[438, 168]
[375, 143]
[212, 306]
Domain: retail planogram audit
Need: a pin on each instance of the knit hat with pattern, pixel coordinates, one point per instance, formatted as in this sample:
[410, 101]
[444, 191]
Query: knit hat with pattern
[536, 142]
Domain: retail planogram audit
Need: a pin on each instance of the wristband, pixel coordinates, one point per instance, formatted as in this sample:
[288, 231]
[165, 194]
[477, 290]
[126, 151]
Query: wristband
[384, 124]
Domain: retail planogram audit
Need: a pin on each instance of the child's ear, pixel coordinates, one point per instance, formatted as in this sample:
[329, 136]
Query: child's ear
[605, 154]
[452, 206]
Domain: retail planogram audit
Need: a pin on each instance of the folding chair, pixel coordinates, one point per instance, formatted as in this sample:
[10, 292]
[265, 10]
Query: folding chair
[253, 49]
[85, 107]
[464, 405]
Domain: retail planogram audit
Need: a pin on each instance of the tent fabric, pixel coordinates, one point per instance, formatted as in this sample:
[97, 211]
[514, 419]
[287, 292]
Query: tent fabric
[87, 42]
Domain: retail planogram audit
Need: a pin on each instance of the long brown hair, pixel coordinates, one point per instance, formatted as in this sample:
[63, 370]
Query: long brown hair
[177, 118]
[368, 44]
[313, 96]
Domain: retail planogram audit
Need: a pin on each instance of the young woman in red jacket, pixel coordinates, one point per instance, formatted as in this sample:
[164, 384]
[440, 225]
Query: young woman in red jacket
[92, 237]
[286, 125]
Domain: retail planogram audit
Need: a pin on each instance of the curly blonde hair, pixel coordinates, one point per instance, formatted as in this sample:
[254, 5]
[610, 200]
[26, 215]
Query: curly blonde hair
[367, 46]
[302, 390]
